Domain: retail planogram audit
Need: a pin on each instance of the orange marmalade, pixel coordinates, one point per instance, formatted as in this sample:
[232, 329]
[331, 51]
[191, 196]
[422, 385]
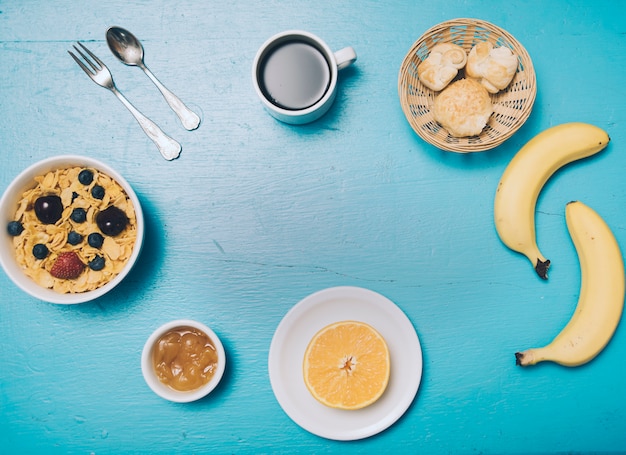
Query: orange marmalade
[184, 358]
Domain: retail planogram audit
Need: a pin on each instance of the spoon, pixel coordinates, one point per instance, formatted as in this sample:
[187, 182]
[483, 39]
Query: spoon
[127, 48]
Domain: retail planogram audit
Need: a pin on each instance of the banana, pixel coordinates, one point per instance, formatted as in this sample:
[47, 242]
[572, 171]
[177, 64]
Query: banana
[525, 176]
[601, 298]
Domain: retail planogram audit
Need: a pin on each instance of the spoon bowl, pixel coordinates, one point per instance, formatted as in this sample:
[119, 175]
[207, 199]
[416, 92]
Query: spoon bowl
[125, 46]
[128, 49]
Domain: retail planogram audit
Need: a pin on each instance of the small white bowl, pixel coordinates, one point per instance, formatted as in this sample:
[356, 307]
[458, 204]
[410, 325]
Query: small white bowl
[8, 207]
[163, 390]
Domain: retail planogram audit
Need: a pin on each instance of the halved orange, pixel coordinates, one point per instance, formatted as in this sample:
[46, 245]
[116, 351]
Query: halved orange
[346, 365]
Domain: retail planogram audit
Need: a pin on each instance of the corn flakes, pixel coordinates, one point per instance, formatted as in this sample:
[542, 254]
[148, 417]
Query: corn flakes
[116, 250]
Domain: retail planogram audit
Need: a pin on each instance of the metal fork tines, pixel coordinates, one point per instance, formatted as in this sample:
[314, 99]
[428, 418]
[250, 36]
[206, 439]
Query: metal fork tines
[100, 74]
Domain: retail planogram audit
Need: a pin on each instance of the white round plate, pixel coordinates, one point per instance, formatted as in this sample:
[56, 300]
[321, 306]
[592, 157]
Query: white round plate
[299, 326]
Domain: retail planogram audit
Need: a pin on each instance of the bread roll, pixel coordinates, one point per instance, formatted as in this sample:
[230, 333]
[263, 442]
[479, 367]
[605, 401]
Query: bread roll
[492, 67]
[441, 66]
[463, 108]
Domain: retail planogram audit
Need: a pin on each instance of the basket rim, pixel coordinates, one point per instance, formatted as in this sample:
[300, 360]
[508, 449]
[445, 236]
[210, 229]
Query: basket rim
[490, 137]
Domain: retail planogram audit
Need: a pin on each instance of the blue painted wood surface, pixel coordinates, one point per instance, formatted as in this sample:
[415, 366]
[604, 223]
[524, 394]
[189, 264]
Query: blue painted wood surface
[256, 215]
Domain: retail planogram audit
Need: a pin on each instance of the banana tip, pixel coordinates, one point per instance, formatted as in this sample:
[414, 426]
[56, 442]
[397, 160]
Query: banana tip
[542, 268]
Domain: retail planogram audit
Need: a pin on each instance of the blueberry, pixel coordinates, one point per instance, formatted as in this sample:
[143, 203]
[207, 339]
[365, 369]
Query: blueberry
[97, 191]
[40, 251]
[95, 240]
[96, 263]
[74, 195]
[15, 228]
[49, 209]
[79, 215]
[85, 177]
[74, 238]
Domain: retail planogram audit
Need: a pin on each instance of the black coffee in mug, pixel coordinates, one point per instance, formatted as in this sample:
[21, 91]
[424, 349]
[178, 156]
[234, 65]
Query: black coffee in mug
[294, 75]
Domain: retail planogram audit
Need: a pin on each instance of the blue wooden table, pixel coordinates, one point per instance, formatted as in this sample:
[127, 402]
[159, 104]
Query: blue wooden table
[256, 215]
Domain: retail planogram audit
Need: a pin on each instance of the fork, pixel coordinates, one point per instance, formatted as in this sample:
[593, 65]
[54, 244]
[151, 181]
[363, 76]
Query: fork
[100, 74]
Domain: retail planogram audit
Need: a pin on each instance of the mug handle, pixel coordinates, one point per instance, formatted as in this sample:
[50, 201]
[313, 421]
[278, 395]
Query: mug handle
[345, 57]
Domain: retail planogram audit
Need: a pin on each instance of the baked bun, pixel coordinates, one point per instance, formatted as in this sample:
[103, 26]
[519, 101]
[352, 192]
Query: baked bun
[463, 108]
[441, 66]
[493, 67]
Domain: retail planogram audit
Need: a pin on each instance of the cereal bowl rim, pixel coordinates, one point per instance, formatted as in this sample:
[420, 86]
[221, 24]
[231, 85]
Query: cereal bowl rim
[8, 205]
[166, 392]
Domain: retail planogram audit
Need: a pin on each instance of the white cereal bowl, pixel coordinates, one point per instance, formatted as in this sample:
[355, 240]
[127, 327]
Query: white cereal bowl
[163, 390]
[8, 206]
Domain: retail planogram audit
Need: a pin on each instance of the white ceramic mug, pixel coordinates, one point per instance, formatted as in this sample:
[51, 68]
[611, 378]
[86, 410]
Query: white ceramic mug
[299, 73]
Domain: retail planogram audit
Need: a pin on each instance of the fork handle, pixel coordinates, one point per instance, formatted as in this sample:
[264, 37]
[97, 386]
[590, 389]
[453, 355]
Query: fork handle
[169, 148]
[188, 118]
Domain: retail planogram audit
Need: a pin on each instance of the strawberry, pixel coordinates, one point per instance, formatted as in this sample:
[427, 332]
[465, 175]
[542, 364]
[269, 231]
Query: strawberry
[67, 266]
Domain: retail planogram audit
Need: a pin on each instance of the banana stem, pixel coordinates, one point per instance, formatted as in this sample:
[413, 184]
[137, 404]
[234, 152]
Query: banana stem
[525, 358]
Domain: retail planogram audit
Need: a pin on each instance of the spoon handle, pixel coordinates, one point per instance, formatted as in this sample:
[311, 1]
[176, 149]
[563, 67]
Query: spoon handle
[188, 118]
[169, 148]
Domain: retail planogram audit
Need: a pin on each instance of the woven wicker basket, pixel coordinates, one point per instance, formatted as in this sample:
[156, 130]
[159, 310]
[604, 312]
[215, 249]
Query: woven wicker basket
[512, 106]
